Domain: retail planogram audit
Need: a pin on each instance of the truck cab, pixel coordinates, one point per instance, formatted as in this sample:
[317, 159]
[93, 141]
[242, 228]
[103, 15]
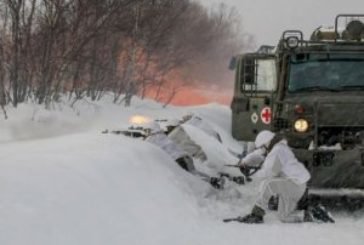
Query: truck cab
[312, 91]
[254, 91]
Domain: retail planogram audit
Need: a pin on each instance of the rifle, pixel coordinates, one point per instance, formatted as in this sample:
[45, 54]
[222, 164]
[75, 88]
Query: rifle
[237, 219]
[247, 171]
[240, 180]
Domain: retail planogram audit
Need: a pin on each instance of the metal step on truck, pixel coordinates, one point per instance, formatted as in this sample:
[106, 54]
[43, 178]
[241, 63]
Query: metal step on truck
[312, 91]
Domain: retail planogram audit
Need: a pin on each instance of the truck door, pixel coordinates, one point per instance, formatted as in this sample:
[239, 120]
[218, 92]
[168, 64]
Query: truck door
[252, 106]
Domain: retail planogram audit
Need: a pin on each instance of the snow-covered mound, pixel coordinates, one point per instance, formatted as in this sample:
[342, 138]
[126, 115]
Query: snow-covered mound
[63, 182]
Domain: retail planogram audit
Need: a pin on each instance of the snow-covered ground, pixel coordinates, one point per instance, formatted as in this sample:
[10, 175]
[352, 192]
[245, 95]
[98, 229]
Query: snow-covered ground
[64, 182]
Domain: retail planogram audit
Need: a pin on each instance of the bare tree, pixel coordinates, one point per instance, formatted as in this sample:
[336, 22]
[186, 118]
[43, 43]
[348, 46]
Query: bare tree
[88, 47]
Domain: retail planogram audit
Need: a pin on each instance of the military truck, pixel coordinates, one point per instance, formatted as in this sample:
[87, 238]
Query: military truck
[312, 91]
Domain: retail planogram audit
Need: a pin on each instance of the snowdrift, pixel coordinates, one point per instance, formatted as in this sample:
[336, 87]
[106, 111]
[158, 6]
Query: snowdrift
[63, 182]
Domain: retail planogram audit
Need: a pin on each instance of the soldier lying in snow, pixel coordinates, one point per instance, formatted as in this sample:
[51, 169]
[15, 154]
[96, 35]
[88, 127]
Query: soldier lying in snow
[179, 136]
[184, 160]
[176, 131]
[198, 122]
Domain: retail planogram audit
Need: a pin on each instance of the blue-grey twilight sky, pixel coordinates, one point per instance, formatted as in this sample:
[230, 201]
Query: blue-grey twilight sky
[267, 19]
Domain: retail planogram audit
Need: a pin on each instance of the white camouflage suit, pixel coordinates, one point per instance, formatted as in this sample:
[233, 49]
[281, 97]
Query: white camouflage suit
[282, 175]
[198, 122]
[157, 137]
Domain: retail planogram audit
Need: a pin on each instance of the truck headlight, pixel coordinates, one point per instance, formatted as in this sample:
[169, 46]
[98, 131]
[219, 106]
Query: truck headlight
[301, 125]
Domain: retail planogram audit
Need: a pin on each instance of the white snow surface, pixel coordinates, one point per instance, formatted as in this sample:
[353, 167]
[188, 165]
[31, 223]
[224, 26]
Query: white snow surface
[63, 182]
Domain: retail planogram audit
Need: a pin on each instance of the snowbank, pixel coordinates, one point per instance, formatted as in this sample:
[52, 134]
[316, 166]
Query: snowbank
[63, 182]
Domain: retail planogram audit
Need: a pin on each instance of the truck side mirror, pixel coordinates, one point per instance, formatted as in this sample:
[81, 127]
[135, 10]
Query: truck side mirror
[232, 64]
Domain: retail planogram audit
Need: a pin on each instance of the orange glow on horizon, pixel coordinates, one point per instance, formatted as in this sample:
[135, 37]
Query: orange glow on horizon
[189, 96]
[179, 89]
[194, 96]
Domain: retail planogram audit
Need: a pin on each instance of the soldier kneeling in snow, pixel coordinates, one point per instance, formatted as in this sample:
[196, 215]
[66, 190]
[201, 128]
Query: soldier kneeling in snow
[158, 137]
[284, 176]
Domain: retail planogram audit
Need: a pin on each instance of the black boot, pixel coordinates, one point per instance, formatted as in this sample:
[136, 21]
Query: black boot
[307, 216]
[255, 217]
[240, 180]
[317, 214]
[217, 183]
[273, 203]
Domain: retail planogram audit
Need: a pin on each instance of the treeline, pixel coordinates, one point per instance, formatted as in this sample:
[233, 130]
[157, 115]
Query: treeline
[86, 48]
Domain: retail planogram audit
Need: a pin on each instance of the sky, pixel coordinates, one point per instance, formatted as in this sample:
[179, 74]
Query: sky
[267, 19]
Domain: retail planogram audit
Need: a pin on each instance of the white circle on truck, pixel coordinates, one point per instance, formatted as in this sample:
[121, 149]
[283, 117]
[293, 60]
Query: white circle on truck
[254, 118]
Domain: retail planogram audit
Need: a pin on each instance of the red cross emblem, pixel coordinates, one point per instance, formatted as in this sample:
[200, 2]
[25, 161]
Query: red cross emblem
[266, 115]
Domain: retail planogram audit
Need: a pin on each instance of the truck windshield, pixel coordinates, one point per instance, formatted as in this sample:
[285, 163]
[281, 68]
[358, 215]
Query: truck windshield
[327, 72]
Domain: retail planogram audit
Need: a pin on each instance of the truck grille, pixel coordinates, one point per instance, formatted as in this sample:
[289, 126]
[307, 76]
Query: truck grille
[348, 137]
[281, 123]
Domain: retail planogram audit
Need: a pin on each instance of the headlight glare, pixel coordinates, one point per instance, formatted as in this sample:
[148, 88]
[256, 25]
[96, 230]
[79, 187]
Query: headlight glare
[301, 125]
